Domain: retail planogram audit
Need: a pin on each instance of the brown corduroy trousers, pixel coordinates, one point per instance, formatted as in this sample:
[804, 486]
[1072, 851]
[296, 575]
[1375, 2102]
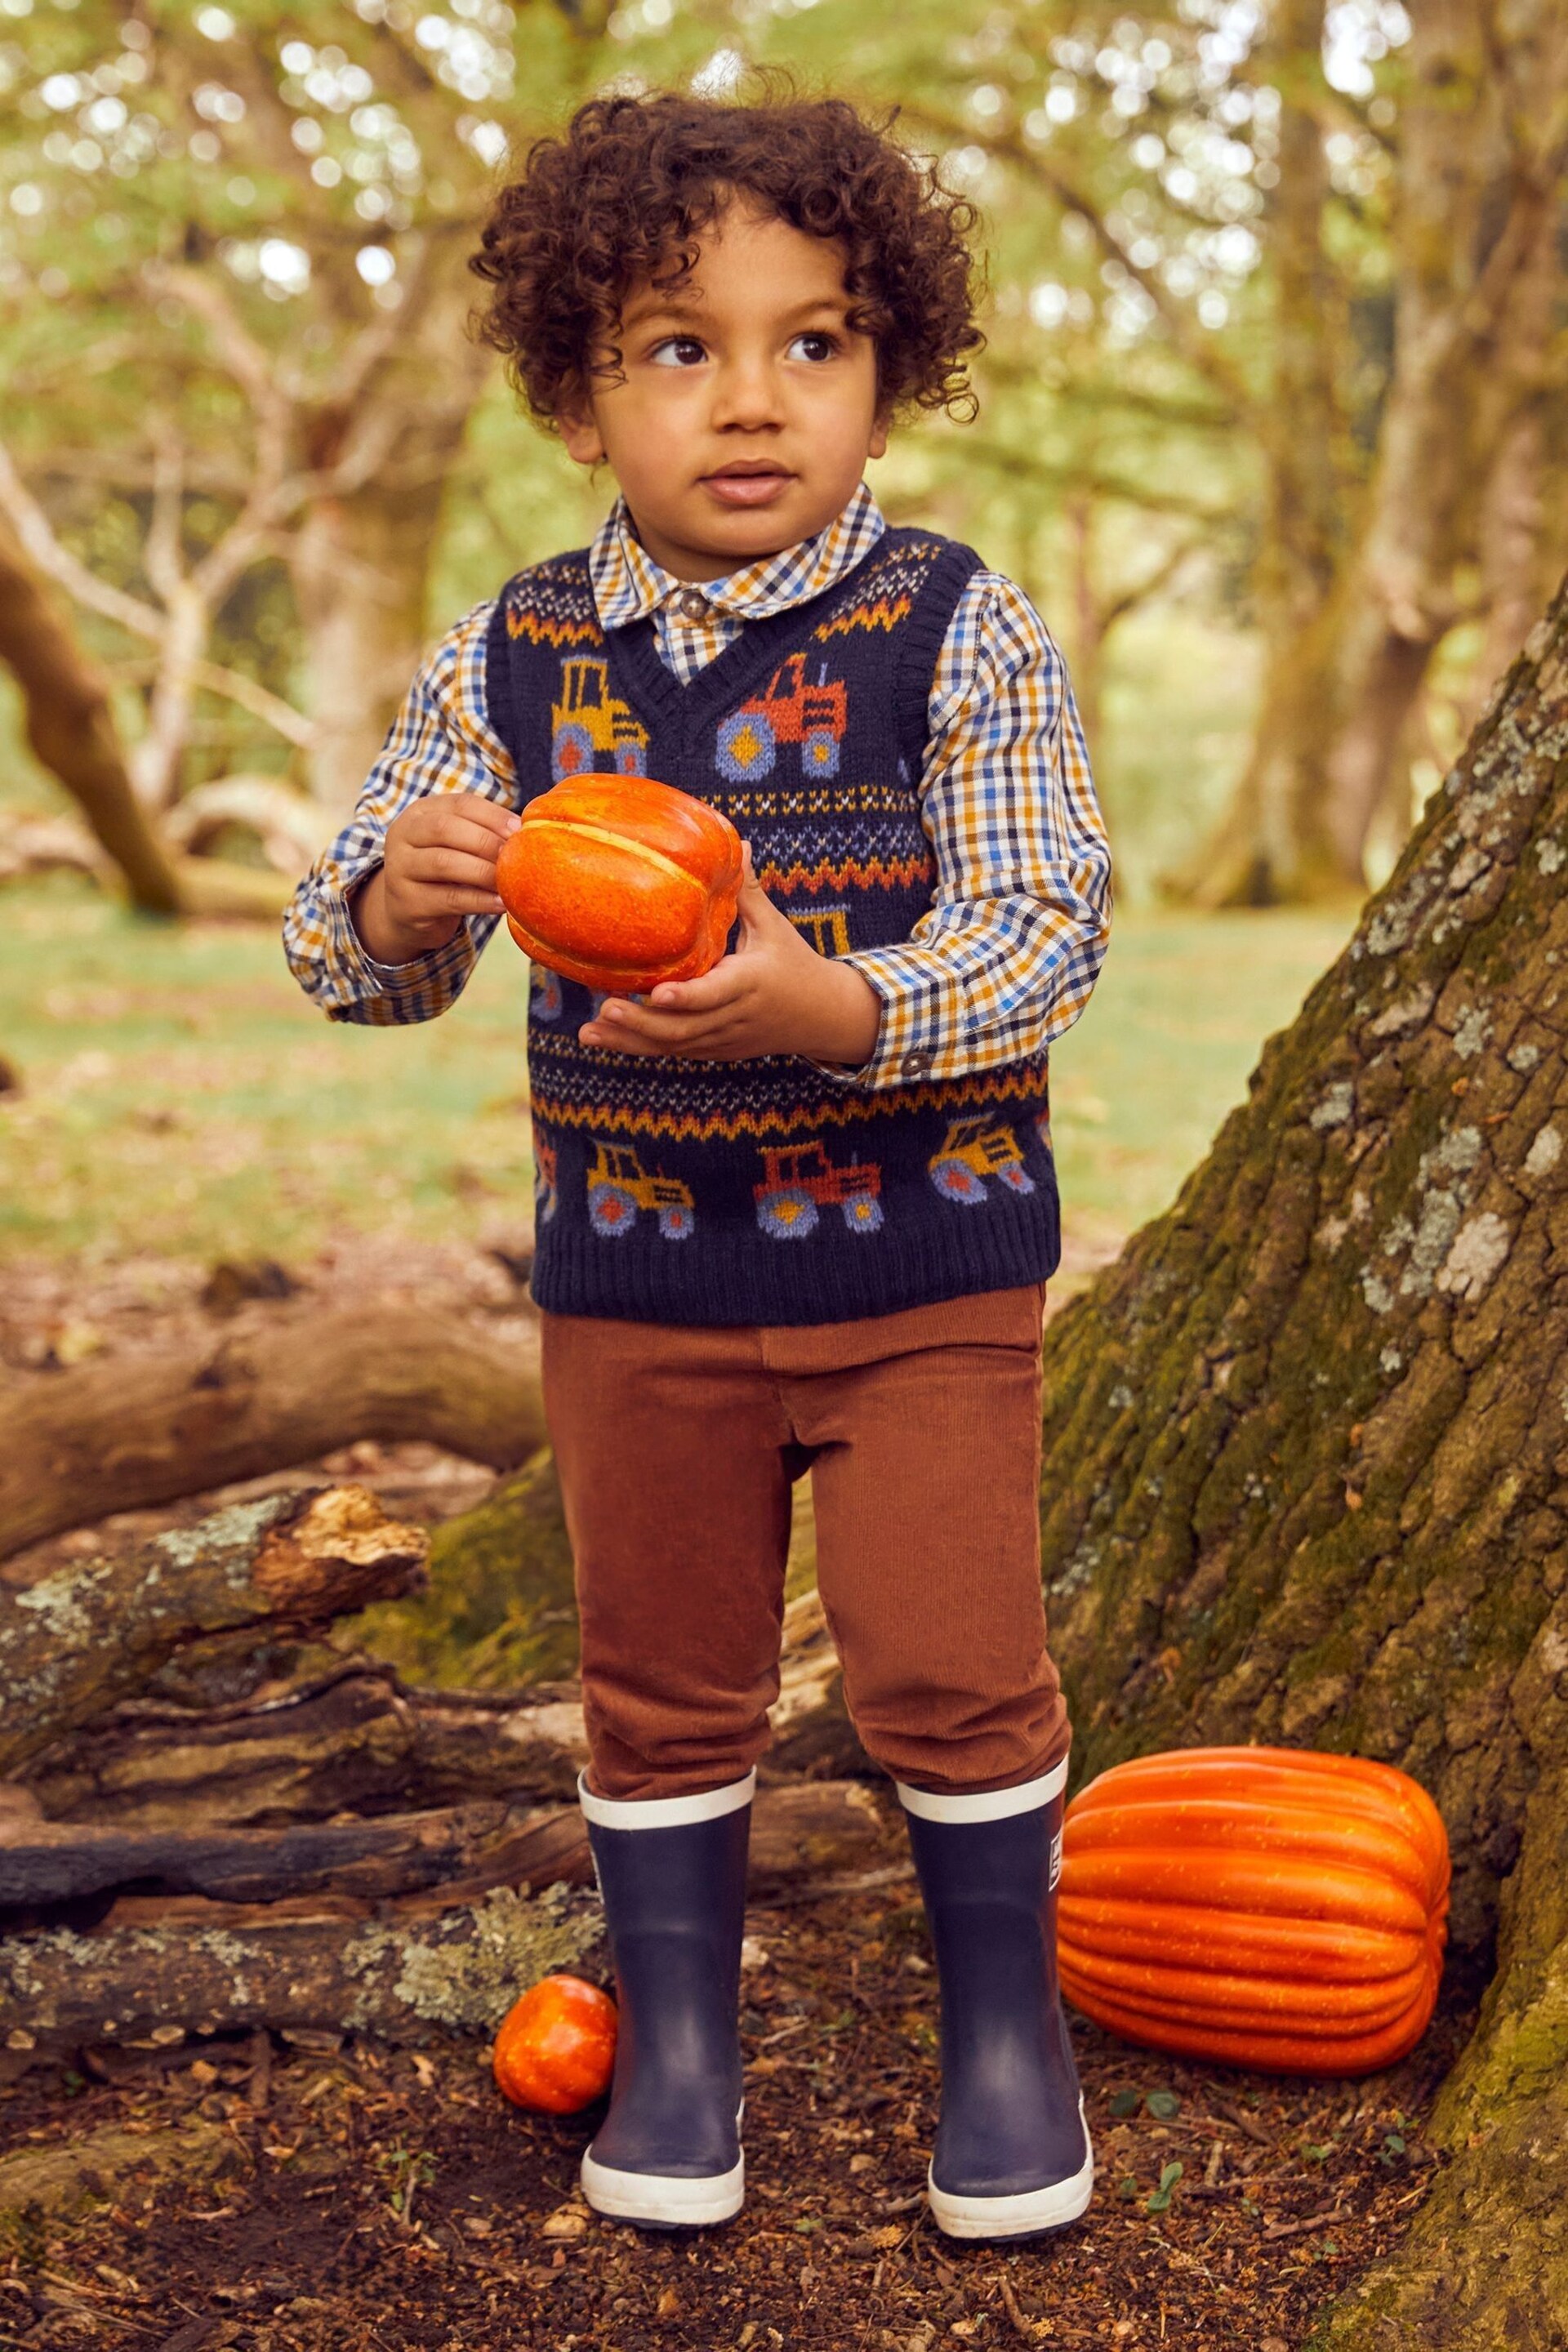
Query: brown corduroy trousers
[677, 1449]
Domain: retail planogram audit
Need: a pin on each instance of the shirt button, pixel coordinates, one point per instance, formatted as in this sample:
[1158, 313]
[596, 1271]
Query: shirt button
[691, 605]
[916, 1064]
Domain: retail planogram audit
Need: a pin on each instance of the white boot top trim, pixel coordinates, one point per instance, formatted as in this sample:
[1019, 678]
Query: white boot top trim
[665, 1813]
[982, 1804]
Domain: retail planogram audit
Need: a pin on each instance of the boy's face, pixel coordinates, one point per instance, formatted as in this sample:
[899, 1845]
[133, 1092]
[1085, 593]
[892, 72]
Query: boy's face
[748, 406]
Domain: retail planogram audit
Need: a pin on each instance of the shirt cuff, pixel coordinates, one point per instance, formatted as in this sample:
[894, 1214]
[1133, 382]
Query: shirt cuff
[421, 979]
[891, 1061]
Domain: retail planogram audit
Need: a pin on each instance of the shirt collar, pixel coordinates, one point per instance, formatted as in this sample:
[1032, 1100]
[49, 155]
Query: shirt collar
[628, 584]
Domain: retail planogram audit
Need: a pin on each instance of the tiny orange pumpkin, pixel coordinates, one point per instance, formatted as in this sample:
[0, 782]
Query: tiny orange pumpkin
[556, 2046]
[620, 882]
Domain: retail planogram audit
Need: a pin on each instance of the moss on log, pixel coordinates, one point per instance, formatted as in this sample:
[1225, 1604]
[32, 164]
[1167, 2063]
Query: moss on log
[499, 1609]
[408, 1974]
[47, 2184]
[1307, 1448]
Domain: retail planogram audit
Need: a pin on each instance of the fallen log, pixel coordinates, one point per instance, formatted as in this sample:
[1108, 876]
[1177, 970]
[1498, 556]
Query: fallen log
[407, 1973]
[358, 1739]
[50, 1863]
[74, 1642]
[799, 1829]
[354, 1741]
[289, 1384]
[449, 1956]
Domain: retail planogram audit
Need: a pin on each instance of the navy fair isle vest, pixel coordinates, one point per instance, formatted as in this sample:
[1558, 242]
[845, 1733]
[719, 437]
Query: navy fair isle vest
[766, 1192]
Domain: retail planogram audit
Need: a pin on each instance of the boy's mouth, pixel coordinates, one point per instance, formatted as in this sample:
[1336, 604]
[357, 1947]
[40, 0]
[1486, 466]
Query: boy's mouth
[748, 483]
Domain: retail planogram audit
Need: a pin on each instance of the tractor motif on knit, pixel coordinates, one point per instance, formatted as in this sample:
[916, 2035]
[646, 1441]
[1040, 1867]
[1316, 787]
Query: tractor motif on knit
[544, 1190]
[827, 928]
[813, 714]
[800, 1182]
[545, 999]
[619, 1187]
[973, 1149]
[591, 730]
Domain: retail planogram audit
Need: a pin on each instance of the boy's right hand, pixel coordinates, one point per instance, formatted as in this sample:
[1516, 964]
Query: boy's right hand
[439, 865]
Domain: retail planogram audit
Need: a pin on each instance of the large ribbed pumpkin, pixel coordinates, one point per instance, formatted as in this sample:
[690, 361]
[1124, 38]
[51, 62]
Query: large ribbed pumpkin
[620, 882]
[1264, 1906]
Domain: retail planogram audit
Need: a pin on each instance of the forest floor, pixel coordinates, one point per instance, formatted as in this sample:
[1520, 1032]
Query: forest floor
[377, 2201]
[175, 1103]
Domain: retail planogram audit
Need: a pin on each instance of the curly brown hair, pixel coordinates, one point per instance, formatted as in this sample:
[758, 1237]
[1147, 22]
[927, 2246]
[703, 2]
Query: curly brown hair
[622, 196]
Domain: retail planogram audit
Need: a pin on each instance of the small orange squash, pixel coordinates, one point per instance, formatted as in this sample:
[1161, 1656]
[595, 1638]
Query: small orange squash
[620, 882]
[556, 2046]
[1264, 1906]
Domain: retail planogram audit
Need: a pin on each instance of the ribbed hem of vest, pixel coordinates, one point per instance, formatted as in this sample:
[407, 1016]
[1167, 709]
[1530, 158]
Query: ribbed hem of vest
[720, 1281]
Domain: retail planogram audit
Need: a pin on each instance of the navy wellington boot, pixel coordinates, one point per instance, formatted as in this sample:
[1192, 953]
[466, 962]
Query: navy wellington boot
[1013, 2156]
[672, 1873]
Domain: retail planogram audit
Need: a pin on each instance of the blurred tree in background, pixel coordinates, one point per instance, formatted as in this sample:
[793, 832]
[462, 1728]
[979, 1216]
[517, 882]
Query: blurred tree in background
[1272, 420]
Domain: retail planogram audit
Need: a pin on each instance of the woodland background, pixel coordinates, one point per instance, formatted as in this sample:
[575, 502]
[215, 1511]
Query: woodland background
[1273, 427]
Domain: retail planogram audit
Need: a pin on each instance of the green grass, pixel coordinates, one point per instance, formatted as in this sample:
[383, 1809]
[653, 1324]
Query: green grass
[1171, 1036]
[180, 1097]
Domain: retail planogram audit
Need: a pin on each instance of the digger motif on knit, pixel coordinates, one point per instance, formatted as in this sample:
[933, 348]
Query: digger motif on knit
[768, 1191]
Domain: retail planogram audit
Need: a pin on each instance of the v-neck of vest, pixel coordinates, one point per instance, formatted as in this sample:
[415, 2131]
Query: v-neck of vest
[730, 676]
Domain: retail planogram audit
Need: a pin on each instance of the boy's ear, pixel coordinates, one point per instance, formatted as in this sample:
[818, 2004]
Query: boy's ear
[881, 425]
[579, 433]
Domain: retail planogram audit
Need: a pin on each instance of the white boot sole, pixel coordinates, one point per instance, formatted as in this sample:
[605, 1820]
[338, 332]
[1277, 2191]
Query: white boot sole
[1024, 2215]
[662, 2200]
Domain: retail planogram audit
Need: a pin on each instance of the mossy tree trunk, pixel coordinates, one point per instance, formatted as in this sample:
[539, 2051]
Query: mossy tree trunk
[1306, 1449]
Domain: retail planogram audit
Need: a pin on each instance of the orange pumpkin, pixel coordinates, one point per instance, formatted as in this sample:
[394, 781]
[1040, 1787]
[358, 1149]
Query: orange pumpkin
[620, 882]
[1263, 1906]
[556, 2046]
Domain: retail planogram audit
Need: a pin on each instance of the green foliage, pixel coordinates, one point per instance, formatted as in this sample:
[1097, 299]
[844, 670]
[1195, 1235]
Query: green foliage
[197, 200]
[1158, 2200]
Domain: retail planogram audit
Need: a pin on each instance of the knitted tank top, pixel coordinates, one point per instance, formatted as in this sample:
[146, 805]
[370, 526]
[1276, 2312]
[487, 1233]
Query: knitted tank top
[766, 1192]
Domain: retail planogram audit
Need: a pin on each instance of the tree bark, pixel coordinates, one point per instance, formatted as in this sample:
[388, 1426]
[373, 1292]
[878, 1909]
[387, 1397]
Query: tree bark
[282, 1385]
[452, 1956]
[411, 1972]
[1266, 845]
[360, 563]
[798, 1829]
[86, 1636]
[1477, 271]
[356, 1740]
[49, 1862]
[71, 728]
[1309, 1456]
[1358, 585]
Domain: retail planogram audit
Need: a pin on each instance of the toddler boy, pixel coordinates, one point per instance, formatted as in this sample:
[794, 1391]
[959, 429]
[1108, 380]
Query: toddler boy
[797, 1214]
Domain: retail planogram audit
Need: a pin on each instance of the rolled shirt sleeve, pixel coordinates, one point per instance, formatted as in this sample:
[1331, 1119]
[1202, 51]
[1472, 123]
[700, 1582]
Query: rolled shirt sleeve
[1010, 949]
[440, 741]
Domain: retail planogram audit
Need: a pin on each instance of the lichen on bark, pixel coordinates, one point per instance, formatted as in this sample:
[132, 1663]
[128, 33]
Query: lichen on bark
[1307, 1444]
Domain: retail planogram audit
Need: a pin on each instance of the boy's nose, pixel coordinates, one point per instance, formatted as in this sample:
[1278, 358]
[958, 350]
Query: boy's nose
[747, 398]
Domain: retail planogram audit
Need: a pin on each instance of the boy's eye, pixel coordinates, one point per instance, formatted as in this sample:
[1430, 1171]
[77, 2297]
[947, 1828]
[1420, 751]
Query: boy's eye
[678, 352]
[816, 346]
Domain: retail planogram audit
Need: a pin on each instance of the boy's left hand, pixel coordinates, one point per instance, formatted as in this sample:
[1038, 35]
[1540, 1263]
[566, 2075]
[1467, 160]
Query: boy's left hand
[774, 995]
